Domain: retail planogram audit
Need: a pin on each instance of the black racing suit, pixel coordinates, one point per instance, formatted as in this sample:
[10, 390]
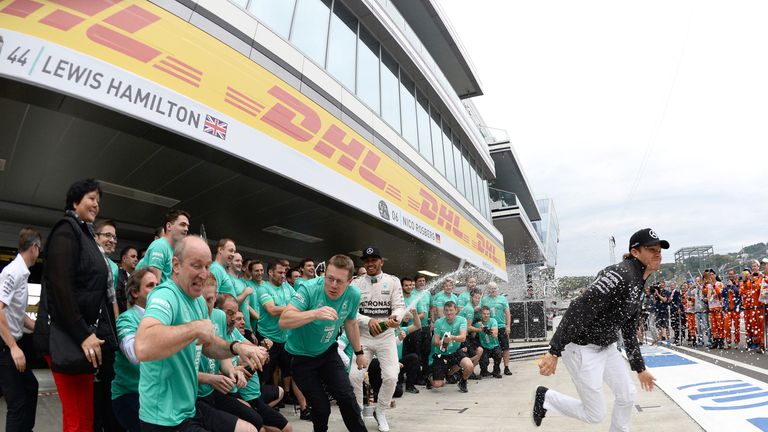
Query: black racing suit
[609, 305]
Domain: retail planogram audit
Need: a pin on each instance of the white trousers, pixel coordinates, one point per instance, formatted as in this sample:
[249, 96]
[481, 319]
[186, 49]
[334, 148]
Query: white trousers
[590, 366]
[384, 346]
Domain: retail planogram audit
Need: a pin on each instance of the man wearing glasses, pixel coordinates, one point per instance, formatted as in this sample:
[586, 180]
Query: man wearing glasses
[17, 382]
[315, 314]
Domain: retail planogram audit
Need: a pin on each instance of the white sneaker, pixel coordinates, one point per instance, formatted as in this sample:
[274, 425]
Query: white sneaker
[381, 419]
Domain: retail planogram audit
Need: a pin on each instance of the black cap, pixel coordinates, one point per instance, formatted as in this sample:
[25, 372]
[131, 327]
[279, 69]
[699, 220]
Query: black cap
[646, 237]
[371, 252]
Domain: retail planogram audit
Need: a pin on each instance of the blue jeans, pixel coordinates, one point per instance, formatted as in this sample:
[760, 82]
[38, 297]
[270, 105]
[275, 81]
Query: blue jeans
[702, 327]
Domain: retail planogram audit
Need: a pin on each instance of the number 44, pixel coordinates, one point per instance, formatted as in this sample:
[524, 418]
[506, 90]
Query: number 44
[13, 57]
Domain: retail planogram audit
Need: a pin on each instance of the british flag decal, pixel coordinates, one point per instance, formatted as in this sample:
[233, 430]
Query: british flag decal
[215, 127]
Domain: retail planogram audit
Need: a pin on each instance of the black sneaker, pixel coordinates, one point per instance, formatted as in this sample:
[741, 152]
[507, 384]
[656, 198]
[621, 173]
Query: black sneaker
[507, 371]
[411, 389]
[429, 382]
[538, 405]
[497, 375]
[306, 414]
[463, 386]
[485, 373]
[453, 379]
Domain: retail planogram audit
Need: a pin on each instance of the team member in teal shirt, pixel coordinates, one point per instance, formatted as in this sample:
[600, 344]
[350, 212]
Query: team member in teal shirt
[274, 296]
[315, 314]
[224, 254]
[251, 392]
[489, 340]
[125, 386]
[439, 299]
[160, 252]
[467, 294]
[425, 345]
[175, 321]
[500, 310]
[450, 332]
[242, 291]
[256, 270]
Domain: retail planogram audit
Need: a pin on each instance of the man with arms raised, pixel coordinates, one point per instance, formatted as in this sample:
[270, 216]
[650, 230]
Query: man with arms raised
[586, 338]
[315, 314]
[166, 344]
[159, 255]
[381, 303]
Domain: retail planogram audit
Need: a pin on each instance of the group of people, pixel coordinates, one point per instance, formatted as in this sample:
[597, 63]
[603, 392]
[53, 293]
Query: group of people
[707, 311]
[179, 338]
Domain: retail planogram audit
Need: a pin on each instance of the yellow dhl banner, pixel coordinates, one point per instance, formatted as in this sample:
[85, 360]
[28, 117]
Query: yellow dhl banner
[146, 40]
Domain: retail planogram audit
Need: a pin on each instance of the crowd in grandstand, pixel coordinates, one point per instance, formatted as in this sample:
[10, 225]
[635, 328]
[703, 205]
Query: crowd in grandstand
[179, 337]
[708, 311]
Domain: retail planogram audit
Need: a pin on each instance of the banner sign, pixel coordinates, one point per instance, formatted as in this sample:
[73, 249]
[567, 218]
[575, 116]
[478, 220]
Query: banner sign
[136, 58]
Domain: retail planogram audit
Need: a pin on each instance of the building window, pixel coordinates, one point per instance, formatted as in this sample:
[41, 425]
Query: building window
[342, 43]
[368, 69]
[310, 28]
[458, 167]
[276, 14]
[390, 96]
[450, 172]
[408, 110]
[437, 141]
[486, 200]
[422, 120]
[467, 180]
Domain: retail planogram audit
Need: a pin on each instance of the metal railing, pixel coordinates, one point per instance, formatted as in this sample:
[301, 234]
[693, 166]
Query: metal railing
[501, 199]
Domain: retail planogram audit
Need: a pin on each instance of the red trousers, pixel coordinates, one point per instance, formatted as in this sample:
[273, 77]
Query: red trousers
[690, 321]
[732, 319]
[76, 394]
[754, 324]
[716, 322]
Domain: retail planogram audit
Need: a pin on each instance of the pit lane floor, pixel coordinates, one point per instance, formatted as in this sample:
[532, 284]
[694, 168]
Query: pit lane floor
[491, 405]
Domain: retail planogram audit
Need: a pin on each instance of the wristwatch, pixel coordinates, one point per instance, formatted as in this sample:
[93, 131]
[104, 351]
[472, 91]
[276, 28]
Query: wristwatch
[361, 352]
[232, 347]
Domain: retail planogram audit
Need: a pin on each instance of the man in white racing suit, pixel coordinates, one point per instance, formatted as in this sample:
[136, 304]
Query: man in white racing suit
[381, 308]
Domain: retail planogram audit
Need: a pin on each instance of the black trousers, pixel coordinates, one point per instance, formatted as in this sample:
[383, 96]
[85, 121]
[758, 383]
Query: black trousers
[426, 351]
[676, 328]
[20, 392]
[315, 375]
[495, 354]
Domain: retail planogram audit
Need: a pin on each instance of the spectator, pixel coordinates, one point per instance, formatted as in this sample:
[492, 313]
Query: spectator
[17, 382]
[74, 297]
[732, 311]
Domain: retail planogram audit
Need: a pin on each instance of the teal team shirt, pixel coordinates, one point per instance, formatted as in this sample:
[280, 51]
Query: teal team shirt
[208, 365]
[240, 286]
[168, 387]
[314, 338]
[347, 350]
[439, 299]
[269, 326]
[464, 299]
[126, 373]
[160, 256]
[253, 302]
[420, 307]
[468, 313]
[442, 326]
[223, 281]
[252, 389]
[425, 301]
[486, 340]
[115, 275]
[498, 305]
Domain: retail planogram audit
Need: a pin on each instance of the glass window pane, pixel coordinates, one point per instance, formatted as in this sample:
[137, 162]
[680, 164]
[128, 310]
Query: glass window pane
[342, 41]
[276, 14]
[450, 173]
[422, 120]
[408, 110]
[486, 200]
[467, 181]
[368, 69]
[475, 181]
[310, 28]
[457, 165]
[390, 96]
[437, 142]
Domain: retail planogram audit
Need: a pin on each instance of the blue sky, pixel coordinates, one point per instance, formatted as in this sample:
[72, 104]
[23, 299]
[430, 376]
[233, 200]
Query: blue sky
[630, 114]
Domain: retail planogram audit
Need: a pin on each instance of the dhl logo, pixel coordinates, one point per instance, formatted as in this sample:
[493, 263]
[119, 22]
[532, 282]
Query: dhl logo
[269, 104]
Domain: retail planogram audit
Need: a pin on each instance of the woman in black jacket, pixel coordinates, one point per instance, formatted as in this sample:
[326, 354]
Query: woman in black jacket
[75, 291]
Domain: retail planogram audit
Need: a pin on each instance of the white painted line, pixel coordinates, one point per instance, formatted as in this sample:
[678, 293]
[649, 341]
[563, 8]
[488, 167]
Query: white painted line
[726, 360]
